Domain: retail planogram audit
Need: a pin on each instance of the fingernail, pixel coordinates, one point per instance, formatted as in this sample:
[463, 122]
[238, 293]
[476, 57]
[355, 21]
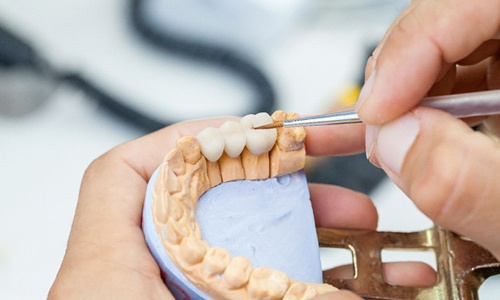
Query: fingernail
[365, 90]
[394, 139]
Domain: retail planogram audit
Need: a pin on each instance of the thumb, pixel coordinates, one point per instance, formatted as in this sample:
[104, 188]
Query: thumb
[446, 168]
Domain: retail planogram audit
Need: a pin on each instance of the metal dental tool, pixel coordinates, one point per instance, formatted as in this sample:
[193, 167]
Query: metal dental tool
[459, 105]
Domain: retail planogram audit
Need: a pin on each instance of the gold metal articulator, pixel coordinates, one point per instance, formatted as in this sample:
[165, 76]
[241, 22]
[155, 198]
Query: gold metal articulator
[462, 266]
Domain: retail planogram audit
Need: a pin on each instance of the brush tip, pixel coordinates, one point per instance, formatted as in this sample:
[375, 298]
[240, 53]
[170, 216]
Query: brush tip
[270, 125]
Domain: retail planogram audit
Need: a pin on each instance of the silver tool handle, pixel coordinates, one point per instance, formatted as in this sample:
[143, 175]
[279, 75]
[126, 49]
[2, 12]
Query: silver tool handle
[467, 104]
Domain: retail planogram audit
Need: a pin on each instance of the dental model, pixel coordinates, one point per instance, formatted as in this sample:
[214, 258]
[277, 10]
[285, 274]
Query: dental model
[235, 151]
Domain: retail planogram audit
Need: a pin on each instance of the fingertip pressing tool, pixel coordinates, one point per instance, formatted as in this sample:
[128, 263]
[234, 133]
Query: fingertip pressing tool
[459, 105]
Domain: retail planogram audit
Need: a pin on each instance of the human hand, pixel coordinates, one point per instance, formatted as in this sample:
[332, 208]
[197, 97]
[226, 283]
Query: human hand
[107, 256]
[448, 170]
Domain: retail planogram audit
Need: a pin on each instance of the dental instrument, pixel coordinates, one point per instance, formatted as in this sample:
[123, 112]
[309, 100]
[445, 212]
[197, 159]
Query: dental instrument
[459, 105]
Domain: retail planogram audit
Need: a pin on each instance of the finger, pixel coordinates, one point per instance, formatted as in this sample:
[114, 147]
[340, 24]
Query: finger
[337, 207]
[133, 162]
[414, 53]
[447, 169]
[335, 140]
[338, 295]
[371, 61]
[413, 274]
[145, 154]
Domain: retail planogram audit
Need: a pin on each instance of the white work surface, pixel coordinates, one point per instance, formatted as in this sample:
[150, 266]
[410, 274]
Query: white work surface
[43, 154]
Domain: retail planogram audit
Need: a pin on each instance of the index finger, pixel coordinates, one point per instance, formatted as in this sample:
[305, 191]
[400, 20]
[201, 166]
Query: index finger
[335, 139]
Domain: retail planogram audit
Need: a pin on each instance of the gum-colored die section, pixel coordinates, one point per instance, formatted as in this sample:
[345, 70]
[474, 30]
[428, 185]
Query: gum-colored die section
[255, 166]
[231, 168]
[214, 174]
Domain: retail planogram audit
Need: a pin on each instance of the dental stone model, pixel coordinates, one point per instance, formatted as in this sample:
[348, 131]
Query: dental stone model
[192, 193]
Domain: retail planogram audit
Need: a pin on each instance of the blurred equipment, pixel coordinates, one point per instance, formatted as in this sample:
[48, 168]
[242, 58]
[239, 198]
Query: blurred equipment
[27, 81]
[245, 27]
[225, 34]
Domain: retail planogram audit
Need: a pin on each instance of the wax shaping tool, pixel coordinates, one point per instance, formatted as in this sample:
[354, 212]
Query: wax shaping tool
[459, 105]
[462, 266]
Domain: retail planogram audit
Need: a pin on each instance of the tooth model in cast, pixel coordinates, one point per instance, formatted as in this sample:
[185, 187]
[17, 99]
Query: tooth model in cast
[235, 151]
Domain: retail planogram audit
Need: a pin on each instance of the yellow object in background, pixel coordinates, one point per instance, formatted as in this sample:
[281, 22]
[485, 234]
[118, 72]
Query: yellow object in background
[350, 95]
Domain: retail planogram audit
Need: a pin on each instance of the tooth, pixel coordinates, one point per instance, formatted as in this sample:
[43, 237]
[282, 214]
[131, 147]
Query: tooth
[216, 260]
[289, 139]
[193, 250]
[237, 272]
[266, 283]
[262, 140]
[211, 142]
[234, 137]
[300, 290]
[190, 149]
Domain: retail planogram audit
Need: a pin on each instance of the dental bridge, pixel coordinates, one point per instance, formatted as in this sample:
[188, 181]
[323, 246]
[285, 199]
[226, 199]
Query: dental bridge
[236, 151]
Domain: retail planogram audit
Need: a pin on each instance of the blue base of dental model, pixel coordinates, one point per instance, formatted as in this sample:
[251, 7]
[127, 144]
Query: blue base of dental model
[268, 221]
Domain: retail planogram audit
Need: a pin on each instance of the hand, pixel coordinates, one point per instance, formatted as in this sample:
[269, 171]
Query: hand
[107, 256]
[448, 170]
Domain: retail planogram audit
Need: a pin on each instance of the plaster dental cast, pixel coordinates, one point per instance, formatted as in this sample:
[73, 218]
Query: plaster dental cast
[261, 225]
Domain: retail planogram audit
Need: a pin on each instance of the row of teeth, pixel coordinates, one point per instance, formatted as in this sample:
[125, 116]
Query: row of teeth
[232, 137]
[237, 273]
[185, 177]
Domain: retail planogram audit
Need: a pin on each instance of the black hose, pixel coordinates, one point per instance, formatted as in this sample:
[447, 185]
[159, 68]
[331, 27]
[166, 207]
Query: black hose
[214, 54]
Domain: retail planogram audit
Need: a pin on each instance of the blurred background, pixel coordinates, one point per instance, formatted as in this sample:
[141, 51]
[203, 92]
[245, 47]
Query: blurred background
[80, 77]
